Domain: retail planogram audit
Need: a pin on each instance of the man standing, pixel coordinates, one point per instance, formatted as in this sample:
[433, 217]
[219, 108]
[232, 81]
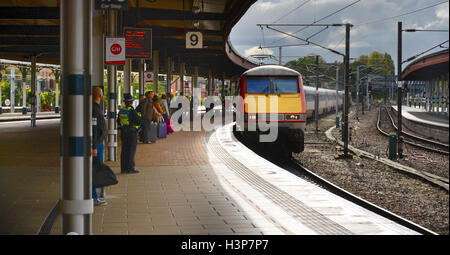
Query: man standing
[147, 115]
[98, 134]
[129, 122]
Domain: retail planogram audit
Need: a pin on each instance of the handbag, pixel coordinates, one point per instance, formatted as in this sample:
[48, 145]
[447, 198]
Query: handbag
[102, 175]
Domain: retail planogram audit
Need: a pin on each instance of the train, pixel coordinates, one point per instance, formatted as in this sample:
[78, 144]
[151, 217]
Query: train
[295, 103]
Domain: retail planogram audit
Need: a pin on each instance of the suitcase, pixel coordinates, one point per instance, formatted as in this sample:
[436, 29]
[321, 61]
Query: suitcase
[162, 130]
[169, 125]
[153, 134]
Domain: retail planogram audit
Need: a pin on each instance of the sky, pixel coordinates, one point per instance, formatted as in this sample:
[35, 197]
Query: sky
[368, 33]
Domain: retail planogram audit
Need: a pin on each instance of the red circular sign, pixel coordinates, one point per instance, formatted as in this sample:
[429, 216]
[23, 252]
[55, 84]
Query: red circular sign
[116, 49]
[149, 75]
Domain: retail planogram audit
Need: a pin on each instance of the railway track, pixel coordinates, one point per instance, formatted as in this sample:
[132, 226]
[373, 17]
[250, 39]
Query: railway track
[294, 166]
[411, 139]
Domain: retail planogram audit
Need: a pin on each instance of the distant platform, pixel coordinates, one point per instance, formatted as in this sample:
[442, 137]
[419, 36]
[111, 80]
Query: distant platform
[434, 125]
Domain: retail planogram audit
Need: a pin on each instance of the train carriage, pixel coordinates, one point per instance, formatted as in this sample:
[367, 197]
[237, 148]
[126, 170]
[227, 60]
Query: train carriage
[295, 102]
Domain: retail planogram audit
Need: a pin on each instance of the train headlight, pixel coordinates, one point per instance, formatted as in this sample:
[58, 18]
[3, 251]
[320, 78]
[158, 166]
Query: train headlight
[252, 117]
[292, 117]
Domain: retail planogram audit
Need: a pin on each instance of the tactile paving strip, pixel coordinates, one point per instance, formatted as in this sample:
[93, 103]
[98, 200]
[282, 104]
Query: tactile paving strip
[294, 207]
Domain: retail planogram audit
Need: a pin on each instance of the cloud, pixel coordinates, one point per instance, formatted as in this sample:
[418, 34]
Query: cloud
[442, 12]
[380, 36]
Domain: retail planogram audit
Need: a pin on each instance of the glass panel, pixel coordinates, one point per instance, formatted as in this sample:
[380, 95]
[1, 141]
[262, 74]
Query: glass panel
[258, 85]
[285, 86]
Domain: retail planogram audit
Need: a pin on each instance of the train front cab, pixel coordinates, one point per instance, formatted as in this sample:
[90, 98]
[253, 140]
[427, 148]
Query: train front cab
[291, 112]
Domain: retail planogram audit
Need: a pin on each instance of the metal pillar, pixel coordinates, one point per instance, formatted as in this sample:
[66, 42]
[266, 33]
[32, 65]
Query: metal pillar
[279, 59]
[399, 91]
[367, 93]
[432, 96]
[24, 97]
[33, 91]
[210, 83]
[439, 94]
[76, 205]
[169, 78]
[182, 72]
[337, 96]
[127, 77]
[357, 93]
[346, 81]
[142, 78]
[112, 88]
[38, 95]
[12, 90]
[97, 50]
[156, 71]
[316, 101]
[57, 81]
[24, 91]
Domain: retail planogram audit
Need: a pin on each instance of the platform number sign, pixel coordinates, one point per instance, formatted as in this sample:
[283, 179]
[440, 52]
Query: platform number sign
[194, 40]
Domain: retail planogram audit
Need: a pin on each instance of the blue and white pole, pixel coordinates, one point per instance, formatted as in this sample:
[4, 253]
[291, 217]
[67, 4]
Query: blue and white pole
[76, 205]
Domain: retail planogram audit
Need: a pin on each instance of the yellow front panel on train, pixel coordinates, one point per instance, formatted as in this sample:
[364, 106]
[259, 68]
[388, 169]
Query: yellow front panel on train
[284, 103]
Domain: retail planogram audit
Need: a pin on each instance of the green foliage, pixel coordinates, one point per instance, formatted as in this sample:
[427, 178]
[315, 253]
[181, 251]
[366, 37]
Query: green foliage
[48, 100]
[6, 92]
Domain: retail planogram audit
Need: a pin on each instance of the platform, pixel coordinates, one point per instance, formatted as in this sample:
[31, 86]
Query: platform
[19, 116]
[434, 125]
[190, 183]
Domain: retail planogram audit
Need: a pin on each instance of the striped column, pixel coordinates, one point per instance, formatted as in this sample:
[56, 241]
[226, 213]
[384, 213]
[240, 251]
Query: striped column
[76, 205]
[24, 91]
[112, 95]
[141, 78]
[33, 91]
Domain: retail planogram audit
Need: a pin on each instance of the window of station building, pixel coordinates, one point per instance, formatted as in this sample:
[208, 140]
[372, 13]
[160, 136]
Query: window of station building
[258, 85]
[285, 85]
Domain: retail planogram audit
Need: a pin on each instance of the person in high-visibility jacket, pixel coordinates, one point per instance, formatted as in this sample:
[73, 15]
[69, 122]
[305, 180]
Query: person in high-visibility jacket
[129, 123]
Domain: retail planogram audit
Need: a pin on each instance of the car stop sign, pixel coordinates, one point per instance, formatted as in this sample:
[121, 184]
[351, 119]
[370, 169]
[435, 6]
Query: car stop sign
[115, 51]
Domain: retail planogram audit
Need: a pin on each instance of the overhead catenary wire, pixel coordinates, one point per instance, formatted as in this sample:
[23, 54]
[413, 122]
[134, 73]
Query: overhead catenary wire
[400, 15]
[316, 21]
[287, 14]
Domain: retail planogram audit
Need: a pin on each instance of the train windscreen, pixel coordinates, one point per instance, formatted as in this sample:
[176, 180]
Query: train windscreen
[285, 85]
[258, 85]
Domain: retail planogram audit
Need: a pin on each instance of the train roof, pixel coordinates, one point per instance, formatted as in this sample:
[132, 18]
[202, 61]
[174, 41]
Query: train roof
[271, 70]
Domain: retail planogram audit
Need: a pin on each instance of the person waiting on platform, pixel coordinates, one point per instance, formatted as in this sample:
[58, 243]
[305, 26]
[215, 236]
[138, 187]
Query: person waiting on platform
[129, 122]
[139, 109]
[157, 110]
[98, 135]
[147, 116]
[165, 106]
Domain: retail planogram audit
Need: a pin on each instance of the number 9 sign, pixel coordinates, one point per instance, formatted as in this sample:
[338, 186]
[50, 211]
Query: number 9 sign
[194, 40]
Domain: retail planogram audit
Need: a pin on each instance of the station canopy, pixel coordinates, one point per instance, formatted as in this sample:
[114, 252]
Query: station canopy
[32, 27]
[427, 68]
